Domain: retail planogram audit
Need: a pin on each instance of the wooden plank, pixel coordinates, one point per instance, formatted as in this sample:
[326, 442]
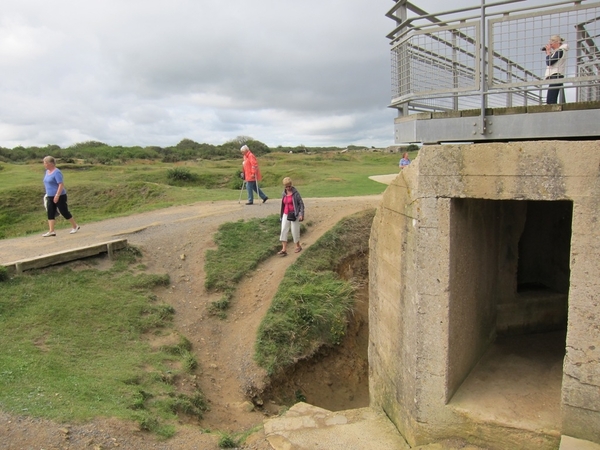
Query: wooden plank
[65, 256]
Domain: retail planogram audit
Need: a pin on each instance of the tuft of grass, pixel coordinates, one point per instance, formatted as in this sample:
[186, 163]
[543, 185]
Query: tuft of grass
[127, 256]
[194, 405]
[226, 440]
[181, 348]
[219, 307]
[300, 397]
[189, 362]
[311, 306]
[3, 273]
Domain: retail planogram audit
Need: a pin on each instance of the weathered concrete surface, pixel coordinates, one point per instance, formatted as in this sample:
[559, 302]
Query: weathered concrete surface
[457, 235]
[305, 426]
[569, 443]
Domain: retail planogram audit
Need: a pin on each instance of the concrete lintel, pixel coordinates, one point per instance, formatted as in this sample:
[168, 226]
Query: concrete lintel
[65, 256]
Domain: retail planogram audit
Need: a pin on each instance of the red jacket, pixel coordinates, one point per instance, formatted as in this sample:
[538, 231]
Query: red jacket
[250, 167]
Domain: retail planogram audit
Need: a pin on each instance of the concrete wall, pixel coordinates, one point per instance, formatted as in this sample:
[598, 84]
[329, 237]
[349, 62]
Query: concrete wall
[431, 319]
[473, 286]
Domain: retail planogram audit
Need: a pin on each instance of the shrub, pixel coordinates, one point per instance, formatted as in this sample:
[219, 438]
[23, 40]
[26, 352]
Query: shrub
[181, 174]
[3, 273]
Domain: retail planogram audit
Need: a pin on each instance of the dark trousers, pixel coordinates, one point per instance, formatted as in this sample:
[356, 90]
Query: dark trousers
[553, 90]
[61, 205]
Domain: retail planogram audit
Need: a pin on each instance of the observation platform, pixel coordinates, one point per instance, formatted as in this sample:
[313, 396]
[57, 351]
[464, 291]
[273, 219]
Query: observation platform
[561, 121]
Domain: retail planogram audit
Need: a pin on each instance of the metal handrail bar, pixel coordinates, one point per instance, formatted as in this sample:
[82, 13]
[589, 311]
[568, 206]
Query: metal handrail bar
[423, 107]
[433, 17]
[541, 82]
[447, 94]
[587, 22]
[399, 3]
[410, 7]
[473, 93]
[436, 21]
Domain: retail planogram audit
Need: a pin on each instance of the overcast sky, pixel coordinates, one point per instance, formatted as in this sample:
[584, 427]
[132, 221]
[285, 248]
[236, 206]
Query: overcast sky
[152, 72]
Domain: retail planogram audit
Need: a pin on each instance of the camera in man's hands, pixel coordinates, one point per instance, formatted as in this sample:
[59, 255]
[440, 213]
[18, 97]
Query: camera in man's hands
[543, 48]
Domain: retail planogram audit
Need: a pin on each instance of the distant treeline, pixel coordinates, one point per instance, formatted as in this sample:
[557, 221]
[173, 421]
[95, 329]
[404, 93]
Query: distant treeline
[93, 152]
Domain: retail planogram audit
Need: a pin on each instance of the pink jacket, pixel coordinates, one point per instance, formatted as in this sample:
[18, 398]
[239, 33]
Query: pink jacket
[250, 167]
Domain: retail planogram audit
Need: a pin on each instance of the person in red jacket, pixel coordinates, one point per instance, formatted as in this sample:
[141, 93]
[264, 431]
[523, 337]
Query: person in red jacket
[251, 175]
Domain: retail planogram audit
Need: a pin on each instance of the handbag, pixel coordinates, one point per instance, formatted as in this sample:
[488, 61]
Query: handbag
[291, 216]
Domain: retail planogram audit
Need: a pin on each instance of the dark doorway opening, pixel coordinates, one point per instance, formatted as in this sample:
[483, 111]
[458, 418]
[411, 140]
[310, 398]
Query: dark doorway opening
[509, 285]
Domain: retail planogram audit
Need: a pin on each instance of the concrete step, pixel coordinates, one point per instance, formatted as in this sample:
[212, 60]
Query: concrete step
[305, 426]
[571, 443]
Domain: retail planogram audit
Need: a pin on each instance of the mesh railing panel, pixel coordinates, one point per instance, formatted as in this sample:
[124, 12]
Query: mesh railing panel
[516, 42]
[440, 61]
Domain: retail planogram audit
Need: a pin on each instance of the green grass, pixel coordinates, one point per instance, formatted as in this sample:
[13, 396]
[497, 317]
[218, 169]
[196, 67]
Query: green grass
[98, 192]
[74, 343]
[241, 246]
[312, 303]
[74, 346]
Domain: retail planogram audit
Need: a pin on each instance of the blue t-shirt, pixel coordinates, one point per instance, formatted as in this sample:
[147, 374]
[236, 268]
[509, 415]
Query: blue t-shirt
[51, 182]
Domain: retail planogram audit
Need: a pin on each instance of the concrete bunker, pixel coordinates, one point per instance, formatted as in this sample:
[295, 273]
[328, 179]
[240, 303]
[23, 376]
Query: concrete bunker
[483, 281]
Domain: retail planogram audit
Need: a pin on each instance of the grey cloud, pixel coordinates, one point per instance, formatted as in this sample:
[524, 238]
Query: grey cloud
[153, 72]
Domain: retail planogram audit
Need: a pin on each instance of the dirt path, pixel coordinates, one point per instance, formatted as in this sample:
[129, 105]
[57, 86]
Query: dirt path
[175, 240]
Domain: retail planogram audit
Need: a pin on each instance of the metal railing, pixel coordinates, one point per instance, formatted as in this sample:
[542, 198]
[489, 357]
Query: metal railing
[492, 58]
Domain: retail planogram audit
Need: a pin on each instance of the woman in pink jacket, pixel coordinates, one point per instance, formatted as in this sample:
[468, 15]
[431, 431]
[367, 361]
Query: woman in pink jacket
[291, 214]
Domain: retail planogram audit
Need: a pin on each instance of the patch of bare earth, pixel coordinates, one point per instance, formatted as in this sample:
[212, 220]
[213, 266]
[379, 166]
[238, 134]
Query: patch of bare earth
[239, 394]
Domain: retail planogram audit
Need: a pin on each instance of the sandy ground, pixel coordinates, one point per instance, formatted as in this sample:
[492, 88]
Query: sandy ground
[174, 241]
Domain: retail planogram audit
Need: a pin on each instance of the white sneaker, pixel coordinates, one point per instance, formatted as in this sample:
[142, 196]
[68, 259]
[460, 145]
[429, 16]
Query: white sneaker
[74, 230]
[49, 233]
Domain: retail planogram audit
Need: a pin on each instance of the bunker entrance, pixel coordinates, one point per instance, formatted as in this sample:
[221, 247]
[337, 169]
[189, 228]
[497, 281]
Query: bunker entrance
[509, 285]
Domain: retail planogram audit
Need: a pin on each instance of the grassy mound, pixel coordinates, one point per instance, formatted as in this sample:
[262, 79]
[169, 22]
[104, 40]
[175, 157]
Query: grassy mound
[311, 306]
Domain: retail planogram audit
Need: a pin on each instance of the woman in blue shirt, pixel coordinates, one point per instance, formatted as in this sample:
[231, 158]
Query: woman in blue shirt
[56, 197]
